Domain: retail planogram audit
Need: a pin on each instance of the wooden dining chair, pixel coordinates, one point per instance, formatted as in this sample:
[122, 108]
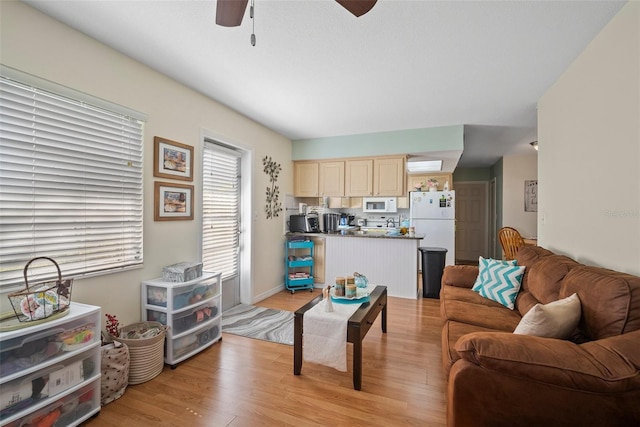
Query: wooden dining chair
[511, 242]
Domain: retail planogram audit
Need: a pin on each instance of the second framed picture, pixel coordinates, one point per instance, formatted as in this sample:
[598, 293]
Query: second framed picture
[173, 202]
[172, 159]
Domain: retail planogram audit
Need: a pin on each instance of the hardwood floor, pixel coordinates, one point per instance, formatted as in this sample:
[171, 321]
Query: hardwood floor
[245, 382]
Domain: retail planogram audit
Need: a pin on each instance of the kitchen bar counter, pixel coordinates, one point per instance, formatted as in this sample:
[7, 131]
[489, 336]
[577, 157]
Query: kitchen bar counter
[386, 260]
[358, 233]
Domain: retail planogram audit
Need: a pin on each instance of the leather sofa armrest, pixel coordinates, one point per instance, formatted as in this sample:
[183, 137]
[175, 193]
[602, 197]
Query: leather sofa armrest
[462, 276]
[607, 365]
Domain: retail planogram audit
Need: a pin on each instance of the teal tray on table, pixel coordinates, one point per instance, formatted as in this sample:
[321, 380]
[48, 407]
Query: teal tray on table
[362, 295]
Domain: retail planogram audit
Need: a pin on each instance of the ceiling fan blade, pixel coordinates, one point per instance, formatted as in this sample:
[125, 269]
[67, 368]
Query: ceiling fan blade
[358, 7]
[229, 13]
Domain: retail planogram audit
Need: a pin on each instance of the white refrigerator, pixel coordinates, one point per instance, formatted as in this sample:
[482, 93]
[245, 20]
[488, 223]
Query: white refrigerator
[433, 213]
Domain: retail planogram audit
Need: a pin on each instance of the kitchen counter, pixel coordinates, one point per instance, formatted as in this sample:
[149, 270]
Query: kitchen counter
[361, 233]
[384, 259]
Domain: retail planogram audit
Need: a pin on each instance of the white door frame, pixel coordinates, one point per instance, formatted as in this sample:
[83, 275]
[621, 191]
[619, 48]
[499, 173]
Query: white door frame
[493, 217]
[246, 207]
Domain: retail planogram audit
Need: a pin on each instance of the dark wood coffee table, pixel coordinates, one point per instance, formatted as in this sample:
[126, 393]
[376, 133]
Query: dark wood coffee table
[359, 324]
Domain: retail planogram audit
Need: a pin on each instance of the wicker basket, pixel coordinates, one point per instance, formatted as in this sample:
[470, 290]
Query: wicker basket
[41, 300]
[146, 354]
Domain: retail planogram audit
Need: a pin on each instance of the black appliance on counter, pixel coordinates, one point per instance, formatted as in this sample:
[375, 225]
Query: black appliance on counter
[301, 223]
[347, 220]
[330, 222]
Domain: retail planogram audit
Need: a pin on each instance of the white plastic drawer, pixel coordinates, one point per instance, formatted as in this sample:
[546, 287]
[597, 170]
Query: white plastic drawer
[192, 295]
[206, 335]
[188, 319]
[26, 351]
[27, 391]
[157, 295]
[182, 295]
[71, 409]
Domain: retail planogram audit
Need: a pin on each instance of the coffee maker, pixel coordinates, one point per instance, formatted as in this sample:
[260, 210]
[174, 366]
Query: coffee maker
[347, 220]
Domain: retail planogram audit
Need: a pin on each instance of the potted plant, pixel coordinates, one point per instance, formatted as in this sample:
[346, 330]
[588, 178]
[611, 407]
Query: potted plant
[432, 183]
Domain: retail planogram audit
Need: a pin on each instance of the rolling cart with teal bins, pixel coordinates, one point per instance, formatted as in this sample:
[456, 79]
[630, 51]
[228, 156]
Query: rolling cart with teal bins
[298, 264]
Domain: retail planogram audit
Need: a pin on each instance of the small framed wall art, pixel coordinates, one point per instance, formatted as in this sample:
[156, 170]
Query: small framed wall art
[172, 159]
[173, 202]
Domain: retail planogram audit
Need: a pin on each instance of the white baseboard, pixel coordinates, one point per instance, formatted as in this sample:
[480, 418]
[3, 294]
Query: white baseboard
[274, 291]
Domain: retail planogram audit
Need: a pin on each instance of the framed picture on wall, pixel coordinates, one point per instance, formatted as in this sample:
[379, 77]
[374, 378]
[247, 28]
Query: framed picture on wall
[531, 196]
[172, 159]
[173, 202]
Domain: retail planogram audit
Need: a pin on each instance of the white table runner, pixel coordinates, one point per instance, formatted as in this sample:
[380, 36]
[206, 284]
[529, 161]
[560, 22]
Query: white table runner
[325, 334]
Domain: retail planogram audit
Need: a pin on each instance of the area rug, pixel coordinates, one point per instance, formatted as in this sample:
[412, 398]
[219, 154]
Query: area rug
[260, 323]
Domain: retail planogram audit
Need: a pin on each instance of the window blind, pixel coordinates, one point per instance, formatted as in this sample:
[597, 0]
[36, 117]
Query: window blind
[220, 204]
[70, 186]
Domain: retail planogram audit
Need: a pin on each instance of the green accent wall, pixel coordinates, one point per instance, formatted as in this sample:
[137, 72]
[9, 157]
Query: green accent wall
[444, 138]
[471, 174]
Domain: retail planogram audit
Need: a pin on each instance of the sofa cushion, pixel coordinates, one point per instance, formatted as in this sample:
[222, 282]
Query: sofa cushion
[499, 281]
[490, 315]
[545, 279]
[462, 276]
[530, 254]
[454, 293]
[542, 279]
[610, 301]
[601, 367]
[557, 319]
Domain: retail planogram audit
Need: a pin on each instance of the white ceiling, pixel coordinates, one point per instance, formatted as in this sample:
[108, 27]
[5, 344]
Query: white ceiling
[318, 71]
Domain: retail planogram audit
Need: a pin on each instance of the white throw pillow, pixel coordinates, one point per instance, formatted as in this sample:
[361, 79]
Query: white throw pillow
[558, 319]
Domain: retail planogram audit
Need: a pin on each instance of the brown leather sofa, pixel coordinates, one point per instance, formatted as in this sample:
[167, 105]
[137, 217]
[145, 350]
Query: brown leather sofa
[497, 378]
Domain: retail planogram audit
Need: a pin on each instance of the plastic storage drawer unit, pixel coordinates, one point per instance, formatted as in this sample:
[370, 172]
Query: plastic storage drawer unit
[191, 310]
[51, 369]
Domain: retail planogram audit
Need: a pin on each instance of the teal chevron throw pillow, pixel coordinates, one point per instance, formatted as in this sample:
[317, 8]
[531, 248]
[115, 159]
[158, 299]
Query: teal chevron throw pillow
[501, 282]
[484, 265]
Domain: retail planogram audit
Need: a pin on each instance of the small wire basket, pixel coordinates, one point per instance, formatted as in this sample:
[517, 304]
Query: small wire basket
[41, 300]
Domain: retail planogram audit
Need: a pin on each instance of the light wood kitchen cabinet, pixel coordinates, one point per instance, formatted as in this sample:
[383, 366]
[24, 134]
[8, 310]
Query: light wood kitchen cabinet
[305, 179]
[388, 176]
[331, 179]
[359, 178]
[365, 177]
[415, 180]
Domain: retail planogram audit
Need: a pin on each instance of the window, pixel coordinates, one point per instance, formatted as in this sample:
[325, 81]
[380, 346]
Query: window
[221, 207]
[70, 182]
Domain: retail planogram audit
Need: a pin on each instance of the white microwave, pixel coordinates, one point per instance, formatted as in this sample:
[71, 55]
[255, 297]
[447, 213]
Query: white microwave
[380, 204]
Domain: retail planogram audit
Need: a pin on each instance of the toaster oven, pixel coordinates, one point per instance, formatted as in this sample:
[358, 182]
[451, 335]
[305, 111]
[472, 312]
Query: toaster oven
[300, 223]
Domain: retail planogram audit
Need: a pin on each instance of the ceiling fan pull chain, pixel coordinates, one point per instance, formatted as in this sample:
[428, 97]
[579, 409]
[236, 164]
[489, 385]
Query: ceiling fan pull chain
[253, 23]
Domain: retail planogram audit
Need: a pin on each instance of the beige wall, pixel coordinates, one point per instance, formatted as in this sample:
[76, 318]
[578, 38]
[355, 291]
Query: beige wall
[515, 171]
[39, 45]
[589, 158]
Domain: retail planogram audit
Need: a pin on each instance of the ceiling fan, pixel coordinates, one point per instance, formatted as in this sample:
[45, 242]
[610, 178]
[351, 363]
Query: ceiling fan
[229, 13]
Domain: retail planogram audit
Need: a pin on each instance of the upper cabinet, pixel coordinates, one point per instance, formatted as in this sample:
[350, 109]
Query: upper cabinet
[305, 179]
[318, 179]
[388, 176]
[365, 177]
[331, 179]
[358, 178]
